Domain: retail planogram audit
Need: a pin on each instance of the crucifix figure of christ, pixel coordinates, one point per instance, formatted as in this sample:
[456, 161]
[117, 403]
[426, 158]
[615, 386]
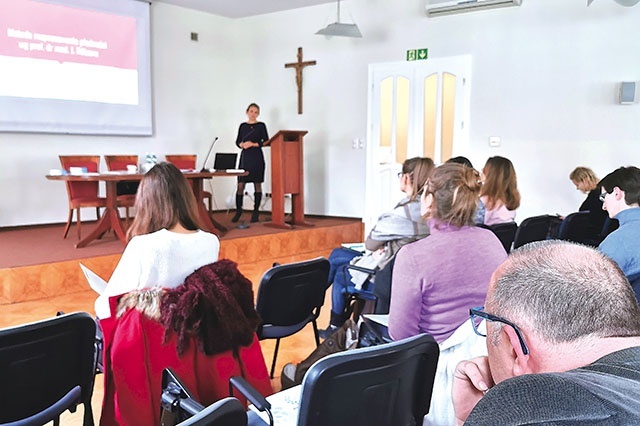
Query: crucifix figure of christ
[299, 66]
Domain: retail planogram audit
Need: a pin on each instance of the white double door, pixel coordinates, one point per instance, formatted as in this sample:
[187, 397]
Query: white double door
[418, 108]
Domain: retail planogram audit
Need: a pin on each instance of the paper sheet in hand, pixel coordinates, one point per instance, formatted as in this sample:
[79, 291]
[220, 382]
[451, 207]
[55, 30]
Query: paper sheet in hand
[96, 283]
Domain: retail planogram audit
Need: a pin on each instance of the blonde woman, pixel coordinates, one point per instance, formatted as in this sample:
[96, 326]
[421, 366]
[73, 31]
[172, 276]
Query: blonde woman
[586, 182]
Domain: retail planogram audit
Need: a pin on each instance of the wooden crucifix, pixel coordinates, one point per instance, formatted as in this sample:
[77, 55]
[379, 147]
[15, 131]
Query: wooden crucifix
[299, 66]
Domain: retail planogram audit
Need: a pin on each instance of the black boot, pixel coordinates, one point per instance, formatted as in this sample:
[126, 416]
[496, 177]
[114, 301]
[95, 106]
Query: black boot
[236, 217]
[256, 206]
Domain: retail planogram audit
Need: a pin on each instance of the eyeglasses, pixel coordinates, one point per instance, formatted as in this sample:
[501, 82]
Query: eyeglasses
[603, 195]
[478, 314]
[400, 174]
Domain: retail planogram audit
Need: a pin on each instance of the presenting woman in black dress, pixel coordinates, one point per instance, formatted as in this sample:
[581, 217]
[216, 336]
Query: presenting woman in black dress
[251, 136]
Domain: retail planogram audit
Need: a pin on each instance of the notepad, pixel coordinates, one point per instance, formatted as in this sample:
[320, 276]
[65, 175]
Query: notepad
[284, 407]
[95, 281]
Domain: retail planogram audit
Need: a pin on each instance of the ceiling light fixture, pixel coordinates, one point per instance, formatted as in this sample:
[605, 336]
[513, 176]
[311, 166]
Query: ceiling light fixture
[340, 29]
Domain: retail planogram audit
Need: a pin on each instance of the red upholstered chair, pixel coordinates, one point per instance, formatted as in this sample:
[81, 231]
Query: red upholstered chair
[151, 330]
[188, 162]
[126, 190]
[82, 194]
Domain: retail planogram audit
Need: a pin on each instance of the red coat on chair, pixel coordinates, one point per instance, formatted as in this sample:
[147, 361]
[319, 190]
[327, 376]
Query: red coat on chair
[208, 336]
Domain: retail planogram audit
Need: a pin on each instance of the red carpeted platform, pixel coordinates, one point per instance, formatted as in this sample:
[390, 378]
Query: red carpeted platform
[36, 262]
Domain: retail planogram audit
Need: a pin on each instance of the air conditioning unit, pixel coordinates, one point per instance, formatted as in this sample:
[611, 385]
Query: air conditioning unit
[447, 7]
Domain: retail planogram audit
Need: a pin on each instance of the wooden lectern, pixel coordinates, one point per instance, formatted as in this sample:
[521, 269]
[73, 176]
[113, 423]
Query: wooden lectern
[287, 177]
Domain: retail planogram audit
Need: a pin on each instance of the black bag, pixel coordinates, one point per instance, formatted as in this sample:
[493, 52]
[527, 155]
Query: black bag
[372, 334]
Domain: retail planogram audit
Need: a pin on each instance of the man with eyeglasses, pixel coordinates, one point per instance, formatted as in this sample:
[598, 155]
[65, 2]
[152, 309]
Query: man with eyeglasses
[621, 199]
[563, 342]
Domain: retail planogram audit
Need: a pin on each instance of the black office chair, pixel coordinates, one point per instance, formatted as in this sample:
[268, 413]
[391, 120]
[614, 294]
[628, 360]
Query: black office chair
[536, 228]
[389, 384]
[506, 233]
[178, 405]
[609, 226]
[290, 297]
[577, 227]
[47, 367]
[375, 295]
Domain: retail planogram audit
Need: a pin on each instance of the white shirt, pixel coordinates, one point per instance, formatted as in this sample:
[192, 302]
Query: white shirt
[162, 259]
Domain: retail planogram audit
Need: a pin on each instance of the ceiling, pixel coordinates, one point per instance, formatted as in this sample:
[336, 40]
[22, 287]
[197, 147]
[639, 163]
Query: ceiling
[243, 8]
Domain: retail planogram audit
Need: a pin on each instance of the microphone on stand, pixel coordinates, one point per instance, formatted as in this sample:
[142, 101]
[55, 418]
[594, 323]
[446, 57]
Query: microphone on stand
[204, 165]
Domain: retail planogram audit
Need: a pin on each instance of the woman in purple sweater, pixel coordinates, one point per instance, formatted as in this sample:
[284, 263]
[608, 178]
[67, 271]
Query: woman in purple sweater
[437, 279]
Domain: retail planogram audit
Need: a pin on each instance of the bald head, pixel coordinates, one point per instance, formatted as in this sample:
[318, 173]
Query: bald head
[564, 291]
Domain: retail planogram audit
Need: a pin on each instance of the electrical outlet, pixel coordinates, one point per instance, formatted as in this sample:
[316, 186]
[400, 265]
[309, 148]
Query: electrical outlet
[495, 141]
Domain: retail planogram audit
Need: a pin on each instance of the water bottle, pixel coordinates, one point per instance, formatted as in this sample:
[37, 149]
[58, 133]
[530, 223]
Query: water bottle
[150, 160]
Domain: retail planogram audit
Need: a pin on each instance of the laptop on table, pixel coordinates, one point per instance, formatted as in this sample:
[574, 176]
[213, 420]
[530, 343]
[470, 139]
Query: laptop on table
[224, 161]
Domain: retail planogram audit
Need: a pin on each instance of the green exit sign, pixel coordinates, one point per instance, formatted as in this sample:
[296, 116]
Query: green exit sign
[417, 54]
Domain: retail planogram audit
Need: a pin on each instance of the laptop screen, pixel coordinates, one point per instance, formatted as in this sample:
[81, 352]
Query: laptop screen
[224, 161]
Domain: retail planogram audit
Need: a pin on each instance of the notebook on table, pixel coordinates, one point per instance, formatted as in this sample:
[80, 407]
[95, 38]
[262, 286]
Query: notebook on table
[224, 161]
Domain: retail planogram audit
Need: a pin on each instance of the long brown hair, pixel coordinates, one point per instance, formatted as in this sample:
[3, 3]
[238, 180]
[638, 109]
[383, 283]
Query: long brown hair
[418, 169]
[164, 199]
[500, 183]
[455, 189]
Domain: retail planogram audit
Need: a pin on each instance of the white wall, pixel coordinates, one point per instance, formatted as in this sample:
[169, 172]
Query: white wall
[544, 79]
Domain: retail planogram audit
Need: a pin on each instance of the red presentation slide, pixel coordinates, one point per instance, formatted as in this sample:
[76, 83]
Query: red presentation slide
[56, 52]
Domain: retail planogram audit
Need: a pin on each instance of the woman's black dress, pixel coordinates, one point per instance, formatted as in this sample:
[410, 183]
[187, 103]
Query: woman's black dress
[252, 159]
[597, 216]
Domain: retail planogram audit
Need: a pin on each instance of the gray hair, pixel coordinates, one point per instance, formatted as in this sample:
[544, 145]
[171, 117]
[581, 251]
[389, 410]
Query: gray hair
[565, 291]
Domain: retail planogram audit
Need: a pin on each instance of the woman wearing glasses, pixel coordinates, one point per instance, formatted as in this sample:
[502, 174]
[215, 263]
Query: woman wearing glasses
[437, 279]
[400, 226]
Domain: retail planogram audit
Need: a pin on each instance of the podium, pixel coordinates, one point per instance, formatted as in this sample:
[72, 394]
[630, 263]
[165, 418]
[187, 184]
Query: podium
[287, 177]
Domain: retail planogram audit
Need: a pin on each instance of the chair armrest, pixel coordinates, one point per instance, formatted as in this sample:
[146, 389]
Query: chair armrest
[251, 394]
[359, 252]
[362, 269]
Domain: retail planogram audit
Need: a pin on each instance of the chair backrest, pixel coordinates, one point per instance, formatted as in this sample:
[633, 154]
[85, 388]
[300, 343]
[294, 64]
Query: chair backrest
[120, 162]
[609, 226]
[382, 287]
[292, 293]
[535, 228]
[506, 233]
[389, 384]
[576, 227]
[43, 361]
[182, 161]
[81, 190]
